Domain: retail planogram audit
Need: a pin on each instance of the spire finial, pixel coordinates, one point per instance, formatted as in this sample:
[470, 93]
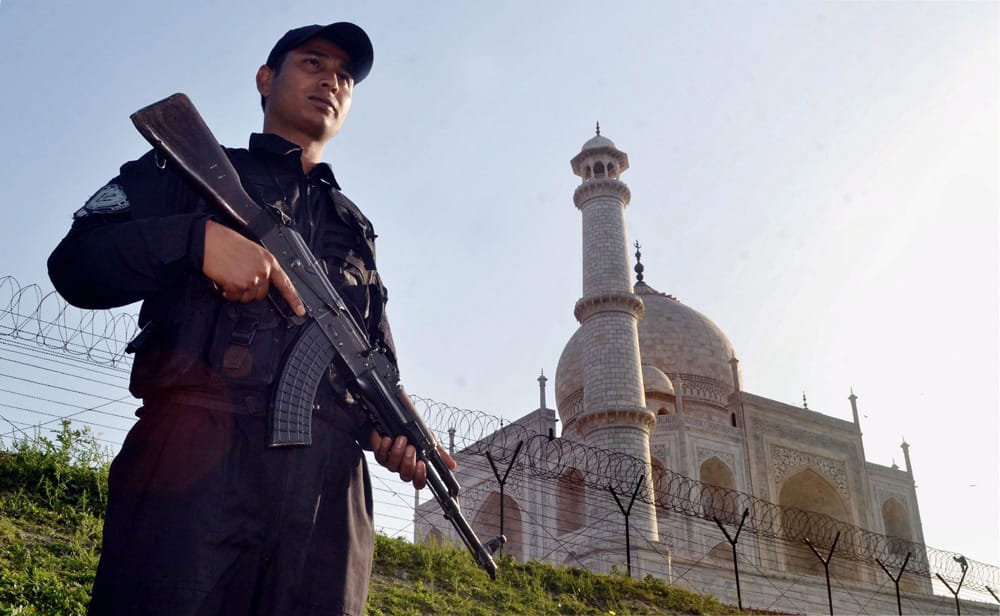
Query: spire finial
[598, 128]
[638, 262]
[805, 403]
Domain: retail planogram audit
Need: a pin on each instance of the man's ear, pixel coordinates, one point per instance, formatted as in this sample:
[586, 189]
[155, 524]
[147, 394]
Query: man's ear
[264, 77]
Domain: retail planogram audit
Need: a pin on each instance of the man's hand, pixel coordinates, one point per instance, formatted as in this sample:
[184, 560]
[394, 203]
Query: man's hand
[400, 457]
[244, 270]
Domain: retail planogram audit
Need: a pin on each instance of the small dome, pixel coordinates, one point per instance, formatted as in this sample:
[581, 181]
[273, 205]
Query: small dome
[655, 382]
[598, 141]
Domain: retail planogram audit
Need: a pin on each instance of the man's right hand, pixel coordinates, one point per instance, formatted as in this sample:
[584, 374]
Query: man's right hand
[244, 270]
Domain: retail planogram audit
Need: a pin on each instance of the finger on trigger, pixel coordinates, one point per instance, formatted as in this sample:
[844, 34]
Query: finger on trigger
[287, 289]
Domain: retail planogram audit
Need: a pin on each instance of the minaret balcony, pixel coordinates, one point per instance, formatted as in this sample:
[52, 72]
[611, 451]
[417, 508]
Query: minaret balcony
[629, 303]
[601, 187]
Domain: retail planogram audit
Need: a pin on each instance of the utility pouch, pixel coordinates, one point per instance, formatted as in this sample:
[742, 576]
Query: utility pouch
[246, 346]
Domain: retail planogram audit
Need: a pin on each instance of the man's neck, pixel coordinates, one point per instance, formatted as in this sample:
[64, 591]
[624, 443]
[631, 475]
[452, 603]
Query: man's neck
[311, 156]
[312, 150]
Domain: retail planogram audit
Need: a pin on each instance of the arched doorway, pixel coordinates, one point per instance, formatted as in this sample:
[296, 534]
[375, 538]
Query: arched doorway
[661, 486]
[896, 521]
[716, 500]
[487, 523]
[802, 496]
[571, 502]
[434, 537]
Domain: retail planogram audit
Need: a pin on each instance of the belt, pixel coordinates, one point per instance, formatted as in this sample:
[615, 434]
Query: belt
[245, 402]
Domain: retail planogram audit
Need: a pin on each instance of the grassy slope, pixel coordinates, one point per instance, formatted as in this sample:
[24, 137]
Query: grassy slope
[52, 496]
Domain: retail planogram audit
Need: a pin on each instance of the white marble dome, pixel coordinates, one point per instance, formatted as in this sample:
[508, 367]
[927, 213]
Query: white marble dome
[680, 340]
[676, 340]
[597, 142]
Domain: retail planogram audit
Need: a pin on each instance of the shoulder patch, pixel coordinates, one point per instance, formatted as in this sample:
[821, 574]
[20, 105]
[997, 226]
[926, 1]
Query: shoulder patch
[111, 199]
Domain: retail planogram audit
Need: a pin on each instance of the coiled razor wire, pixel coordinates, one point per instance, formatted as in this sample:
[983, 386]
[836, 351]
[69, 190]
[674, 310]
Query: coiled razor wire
[28, 313]
[100, 336]
[555, 459]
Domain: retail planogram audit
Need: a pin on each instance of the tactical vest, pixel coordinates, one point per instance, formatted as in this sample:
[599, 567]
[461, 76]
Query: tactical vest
[194, 339]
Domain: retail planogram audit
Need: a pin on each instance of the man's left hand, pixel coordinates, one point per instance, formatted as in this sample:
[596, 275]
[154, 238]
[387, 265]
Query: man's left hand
[400, 457]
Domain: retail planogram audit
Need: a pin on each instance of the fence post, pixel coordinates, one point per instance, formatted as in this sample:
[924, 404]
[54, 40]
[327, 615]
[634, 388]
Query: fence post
[626, 512]
[895, 580]
[826, 566]
[965, 567]
[502, 481]
[732, 541]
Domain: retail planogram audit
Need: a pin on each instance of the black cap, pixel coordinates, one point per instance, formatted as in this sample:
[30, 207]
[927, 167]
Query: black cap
[345, 35]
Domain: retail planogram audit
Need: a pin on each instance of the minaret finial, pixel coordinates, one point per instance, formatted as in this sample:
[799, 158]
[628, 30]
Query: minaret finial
[638, 263]
[598, 128]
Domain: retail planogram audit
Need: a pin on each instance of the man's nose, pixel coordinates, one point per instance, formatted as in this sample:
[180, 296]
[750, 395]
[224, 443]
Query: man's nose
[331, 82]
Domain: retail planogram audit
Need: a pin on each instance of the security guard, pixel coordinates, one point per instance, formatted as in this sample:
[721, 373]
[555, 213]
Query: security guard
[202, 518]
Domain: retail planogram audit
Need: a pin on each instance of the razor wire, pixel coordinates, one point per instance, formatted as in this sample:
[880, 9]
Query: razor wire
[99, 336]
[555, 458]
[28, 313]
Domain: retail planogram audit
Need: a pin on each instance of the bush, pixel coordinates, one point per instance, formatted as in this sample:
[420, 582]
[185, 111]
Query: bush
[67, 474]
[52, 496]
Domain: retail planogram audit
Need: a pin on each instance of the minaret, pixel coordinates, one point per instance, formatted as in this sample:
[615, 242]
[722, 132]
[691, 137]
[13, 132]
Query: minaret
[734, 366]
[541, 390]
[906, 456]
[614, 414]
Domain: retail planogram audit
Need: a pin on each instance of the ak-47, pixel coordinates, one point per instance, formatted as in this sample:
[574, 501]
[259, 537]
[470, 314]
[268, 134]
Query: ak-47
[330, 334]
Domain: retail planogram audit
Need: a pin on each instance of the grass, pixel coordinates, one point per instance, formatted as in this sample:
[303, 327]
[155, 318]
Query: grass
[53, 494]
[412, 579]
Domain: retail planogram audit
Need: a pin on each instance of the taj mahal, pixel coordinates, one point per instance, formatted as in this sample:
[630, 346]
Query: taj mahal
[655, 381]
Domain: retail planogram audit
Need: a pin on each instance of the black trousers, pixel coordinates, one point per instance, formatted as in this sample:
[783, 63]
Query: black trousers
[203, 519]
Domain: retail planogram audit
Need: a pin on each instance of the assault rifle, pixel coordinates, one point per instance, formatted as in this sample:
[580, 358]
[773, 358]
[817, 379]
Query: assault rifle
[330, 334]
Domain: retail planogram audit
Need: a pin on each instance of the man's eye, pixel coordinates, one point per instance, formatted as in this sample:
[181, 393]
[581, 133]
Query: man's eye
[312, 62]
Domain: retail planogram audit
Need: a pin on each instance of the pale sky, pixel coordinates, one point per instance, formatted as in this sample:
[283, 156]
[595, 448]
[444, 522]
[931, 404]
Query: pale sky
[818, 178]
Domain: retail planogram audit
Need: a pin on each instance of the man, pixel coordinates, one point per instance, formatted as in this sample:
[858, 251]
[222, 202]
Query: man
[203, 518]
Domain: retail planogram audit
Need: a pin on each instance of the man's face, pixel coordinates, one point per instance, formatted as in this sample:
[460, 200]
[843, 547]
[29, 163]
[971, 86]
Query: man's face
[309, 97]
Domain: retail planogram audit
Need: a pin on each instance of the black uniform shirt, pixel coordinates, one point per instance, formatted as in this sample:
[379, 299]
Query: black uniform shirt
[141, 237]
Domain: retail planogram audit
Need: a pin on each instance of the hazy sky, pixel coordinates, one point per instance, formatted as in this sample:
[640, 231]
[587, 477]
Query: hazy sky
[819, 178]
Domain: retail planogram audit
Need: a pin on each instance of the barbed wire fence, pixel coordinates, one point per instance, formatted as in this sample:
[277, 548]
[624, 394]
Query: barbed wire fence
[781, 534]
[60, 363]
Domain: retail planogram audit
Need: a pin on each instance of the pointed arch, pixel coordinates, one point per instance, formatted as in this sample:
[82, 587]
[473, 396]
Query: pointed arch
[803, 495]
[896, 525]
[896, 521]
[717, 500]
[571, 502]
[661, 488]
[486, 523]
[434, 537]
